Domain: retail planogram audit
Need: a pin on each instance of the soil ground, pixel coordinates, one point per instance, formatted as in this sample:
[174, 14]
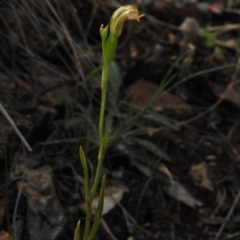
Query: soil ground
[172, 166]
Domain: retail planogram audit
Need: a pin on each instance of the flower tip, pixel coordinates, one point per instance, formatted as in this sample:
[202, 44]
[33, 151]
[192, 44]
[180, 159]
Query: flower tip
[140, 16]
[133, 15]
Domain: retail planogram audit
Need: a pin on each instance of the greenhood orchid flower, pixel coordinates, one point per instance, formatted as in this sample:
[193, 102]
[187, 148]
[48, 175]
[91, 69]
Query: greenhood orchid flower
[110, 36]
[122, 14]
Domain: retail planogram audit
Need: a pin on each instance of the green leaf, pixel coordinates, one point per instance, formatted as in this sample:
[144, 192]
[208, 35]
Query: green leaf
[210, 39]
[109, 50]
[104, 36]
[151, 147]
[98, 216]
[77, 232]
[115, 80]
[104, 142]
[85, 172]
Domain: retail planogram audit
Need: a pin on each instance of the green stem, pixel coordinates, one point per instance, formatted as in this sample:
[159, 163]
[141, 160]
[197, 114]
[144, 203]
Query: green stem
[101, 130]
[88, 220]
[103, 101]
[98, 173]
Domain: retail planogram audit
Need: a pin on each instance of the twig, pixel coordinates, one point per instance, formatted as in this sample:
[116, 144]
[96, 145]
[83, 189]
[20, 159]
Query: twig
[236, 200]
[15, 235]
[106, 228]
[15, 128]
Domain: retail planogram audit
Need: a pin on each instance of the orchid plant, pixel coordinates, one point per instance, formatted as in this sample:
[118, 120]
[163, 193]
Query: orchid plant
[109, 37]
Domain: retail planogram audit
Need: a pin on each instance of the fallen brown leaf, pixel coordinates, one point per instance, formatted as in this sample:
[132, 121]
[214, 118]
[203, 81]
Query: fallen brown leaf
[113, 195]
[163, 168]
[4, 235]
[231, 94]
[199, 174]
[42, 200]
[140, 92]
[179, 192]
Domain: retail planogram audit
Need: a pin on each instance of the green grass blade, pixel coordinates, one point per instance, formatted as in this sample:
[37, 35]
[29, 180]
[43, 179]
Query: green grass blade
[153, 148]
[159, 118]
[203, 72]
[130, 122]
